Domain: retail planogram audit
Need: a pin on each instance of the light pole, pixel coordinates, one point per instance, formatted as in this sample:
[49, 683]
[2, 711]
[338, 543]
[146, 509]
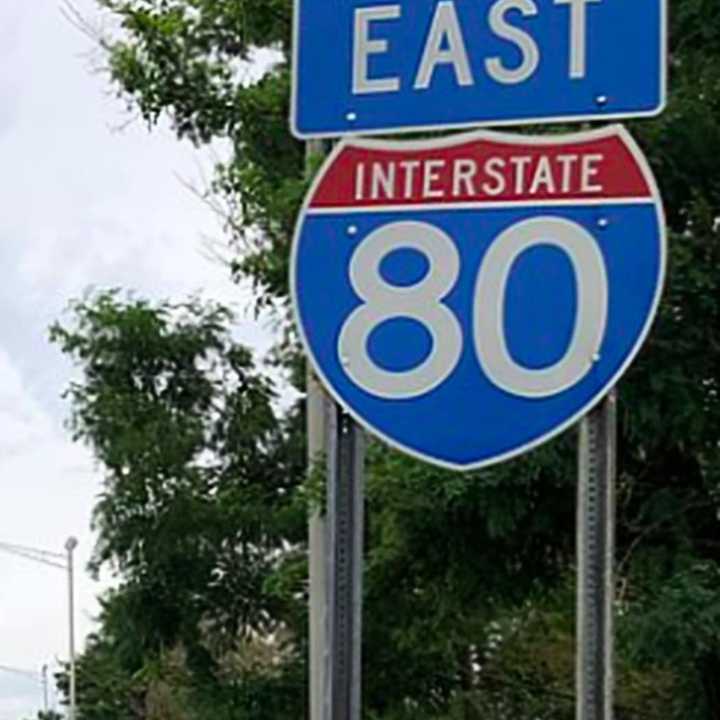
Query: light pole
[70, 546]
[45, 688]
[54, 559]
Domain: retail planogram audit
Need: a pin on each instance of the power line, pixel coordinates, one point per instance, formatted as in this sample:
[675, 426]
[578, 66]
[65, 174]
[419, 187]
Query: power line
[18, 671]
[45, 557]
[36, 551]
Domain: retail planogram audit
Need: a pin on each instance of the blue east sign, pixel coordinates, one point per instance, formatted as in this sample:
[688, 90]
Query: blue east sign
[370, 67]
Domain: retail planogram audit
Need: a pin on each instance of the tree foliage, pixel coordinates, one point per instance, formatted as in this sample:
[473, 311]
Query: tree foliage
[197, 516]
[468, 601]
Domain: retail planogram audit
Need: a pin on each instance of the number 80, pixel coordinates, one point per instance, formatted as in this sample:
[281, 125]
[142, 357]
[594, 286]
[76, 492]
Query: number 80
[422, 302]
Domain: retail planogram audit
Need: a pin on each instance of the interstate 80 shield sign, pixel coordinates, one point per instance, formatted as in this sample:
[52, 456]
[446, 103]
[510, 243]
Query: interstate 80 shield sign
[467, 298]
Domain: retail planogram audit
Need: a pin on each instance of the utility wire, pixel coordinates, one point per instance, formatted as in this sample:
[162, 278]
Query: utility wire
[25, 548]
[18, 671]
[41, 556]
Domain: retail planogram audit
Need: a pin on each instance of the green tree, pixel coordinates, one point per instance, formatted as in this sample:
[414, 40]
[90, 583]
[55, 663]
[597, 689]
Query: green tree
[197, 516]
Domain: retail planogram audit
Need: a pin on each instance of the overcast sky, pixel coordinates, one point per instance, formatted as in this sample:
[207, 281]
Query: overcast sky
[82, 203]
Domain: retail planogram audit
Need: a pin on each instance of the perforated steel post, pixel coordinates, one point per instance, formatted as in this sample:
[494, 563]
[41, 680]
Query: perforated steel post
[346, 458]
[317, 403]
[597, 451]
[316, 412]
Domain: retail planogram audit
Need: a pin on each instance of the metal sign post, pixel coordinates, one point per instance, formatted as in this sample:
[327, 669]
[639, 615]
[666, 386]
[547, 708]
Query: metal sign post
[335, 553]
[595, 550]
[316, 416]
[345, 457]
[316, 410]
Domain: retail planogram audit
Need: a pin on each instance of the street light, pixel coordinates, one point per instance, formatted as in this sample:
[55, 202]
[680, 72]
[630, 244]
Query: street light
[70, 546]
[45, 688]
[63, 562]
